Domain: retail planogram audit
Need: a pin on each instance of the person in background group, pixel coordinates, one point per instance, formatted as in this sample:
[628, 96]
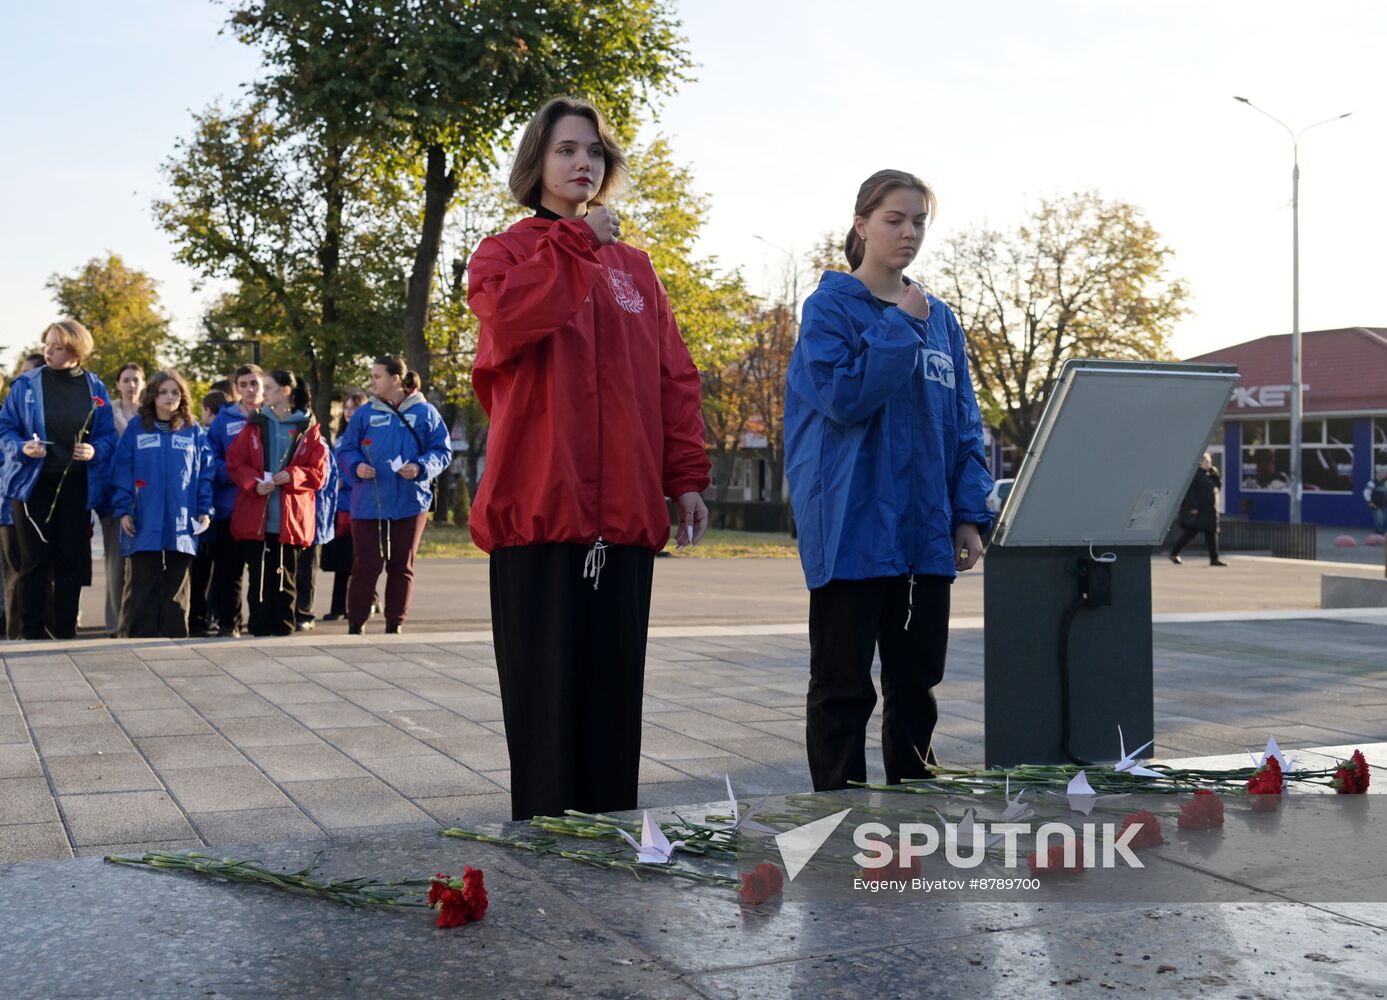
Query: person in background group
[228, 560]
[124, 408]
[595, 420]
[324, 530]
[337, 554]
[392, 451]
[1199, 511]
[161, 490]
[201, 609]
[9, 545]
[885, 460]
[57, 440]
[278, 465]
[1375, 495]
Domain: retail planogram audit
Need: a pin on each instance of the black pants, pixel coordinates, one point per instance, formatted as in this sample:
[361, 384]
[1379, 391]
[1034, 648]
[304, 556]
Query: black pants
[1187, 535]
[271, 592]
[571, 661]
[54, 558]
[305, 582]
[155, 602]
[849, 620]
[9, 552]
[200, 601]
[228, 566]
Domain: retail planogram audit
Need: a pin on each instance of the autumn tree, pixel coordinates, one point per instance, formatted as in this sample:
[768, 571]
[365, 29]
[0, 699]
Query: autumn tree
[443, 84]
[1082, 277]
[311, 231]
[120, 306]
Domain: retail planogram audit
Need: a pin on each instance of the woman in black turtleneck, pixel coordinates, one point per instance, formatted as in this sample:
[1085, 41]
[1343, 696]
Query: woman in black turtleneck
[57, 438]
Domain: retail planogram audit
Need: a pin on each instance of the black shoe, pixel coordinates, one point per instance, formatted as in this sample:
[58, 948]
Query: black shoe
[1218, 562]
[355, 629]
[1175, 558]
[394, 628]
[333, 616]
[305, 626]
[228, 633]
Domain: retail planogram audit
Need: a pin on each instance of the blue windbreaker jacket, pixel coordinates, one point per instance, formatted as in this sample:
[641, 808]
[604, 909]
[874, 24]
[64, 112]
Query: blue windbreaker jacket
[22, 417]
[229, 421]
[175, 468]
[883, 439]
[344, 485]
[388, 496]
[325, 508]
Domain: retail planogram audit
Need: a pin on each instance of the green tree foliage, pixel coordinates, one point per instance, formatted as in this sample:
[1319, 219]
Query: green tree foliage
[443, 83]
[1081, 277]
[120, 306]
[312, 234]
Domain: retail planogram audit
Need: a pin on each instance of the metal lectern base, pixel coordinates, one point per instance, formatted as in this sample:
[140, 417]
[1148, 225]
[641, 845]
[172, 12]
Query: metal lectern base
[1027, 594]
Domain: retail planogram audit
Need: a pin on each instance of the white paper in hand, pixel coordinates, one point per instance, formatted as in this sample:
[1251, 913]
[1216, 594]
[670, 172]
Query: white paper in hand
[396, 464]
[266, 477]
[199, 526]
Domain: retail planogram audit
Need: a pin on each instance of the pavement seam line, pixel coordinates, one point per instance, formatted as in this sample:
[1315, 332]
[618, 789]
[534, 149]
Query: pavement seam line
[43, 761]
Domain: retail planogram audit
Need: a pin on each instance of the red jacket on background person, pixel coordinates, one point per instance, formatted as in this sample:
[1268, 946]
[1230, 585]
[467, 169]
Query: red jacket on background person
[593, 398]
[307, 468]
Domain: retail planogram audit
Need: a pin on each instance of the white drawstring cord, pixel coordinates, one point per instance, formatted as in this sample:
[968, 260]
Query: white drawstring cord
[34, 523]
[596, 559]
[910, 602]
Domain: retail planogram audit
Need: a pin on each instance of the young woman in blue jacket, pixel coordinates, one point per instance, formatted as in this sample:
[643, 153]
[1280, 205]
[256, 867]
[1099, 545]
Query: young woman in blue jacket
[337, 554]
[885, 461]
[392, 451]
[161, 495]
[57, 440]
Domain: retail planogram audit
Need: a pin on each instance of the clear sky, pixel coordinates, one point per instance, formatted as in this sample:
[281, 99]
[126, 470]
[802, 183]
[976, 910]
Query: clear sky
[995, 103]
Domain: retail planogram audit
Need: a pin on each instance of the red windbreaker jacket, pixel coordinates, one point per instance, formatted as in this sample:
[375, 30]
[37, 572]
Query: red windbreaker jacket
[307, 468]
[593, 398]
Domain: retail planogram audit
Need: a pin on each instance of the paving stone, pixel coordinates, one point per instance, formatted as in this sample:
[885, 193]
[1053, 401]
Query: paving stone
[67, 713]
[172, 753]
[216, 789]
[18, 760]
[661, 744]
[13, 730]
[700, 726]
[70, 741]
[184, 668]
[477, 707]
[124, 818]
[331, 716]
[467, 810]
[349, 680]
[215, 684]
[25, 800]
[255, 826]
[140, 697]
[112, 772]
[428, 775]
[35, 842]
[162, 722]
[307, 762]
[479, 754]
[236, 706]
[365, 742]
[300, 693]
[35, 692]
[388, 700]
[435, 723]
[344, 803]
[266, 731]
[135, 849]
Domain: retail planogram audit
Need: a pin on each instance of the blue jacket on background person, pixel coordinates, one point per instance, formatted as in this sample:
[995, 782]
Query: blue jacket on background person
[883, 438]
[229, 421]
[163, 478]
[390, 496]
[22, 417]
[325, 508]
[344, 485]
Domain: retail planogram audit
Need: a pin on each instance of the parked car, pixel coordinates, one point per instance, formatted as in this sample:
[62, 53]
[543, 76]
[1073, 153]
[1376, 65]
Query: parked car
[1001, 489]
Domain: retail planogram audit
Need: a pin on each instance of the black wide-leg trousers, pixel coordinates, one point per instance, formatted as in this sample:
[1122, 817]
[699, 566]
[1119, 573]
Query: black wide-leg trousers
[849, 621]
[571, 660]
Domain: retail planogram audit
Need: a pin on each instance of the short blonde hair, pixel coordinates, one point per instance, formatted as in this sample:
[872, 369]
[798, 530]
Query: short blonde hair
[527, 173]
[73, 336]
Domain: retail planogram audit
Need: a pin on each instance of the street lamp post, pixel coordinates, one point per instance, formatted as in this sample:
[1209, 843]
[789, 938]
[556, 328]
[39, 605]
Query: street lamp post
[1296, 484]
[794, 281]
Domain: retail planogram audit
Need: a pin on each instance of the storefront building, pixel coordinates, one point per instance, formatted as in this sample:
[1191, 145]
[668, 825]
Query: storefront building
[1344, 430]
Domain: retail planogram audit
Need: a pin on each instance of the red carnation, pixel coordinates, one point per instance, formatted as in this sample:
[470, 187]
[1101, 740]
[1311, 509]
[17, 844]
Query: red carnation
[1148, 829]
[98, 401]
[1266, 780]
[139, 484]
[1203, 812]
[458, 901]
[1352, 775]
[365, 442]
[763, 882]
[1055, 865]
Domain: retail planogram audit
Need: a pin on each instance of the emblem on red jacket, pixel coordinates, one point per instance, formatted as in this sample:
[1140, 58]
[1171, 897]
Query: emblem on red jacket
[624, 288]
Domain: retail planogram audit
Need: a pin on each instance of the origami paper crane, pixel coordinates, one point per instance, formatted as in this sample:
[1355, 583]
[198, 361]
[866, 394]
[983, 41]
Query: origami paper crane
[1082, 797]
[654, 847]
[965, 831]
[743, 821]
[1273, 750]
[1015, 810]
[1129, 763]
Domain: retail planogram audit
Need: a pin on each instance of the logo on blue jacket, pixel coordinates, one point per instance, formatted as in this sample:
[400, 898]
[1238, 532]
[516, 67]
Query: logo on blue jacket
[939, 368]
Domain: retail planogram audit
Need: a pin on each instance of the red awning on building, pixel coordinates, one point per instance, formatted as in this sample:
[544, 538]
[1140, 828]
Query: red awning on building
[1344, 371]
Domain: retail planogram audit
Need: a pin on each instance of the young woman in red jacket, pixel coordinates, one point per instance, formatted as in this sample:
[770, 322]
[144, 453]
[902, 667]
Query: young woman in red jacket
[595, 420]
[278, 464]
